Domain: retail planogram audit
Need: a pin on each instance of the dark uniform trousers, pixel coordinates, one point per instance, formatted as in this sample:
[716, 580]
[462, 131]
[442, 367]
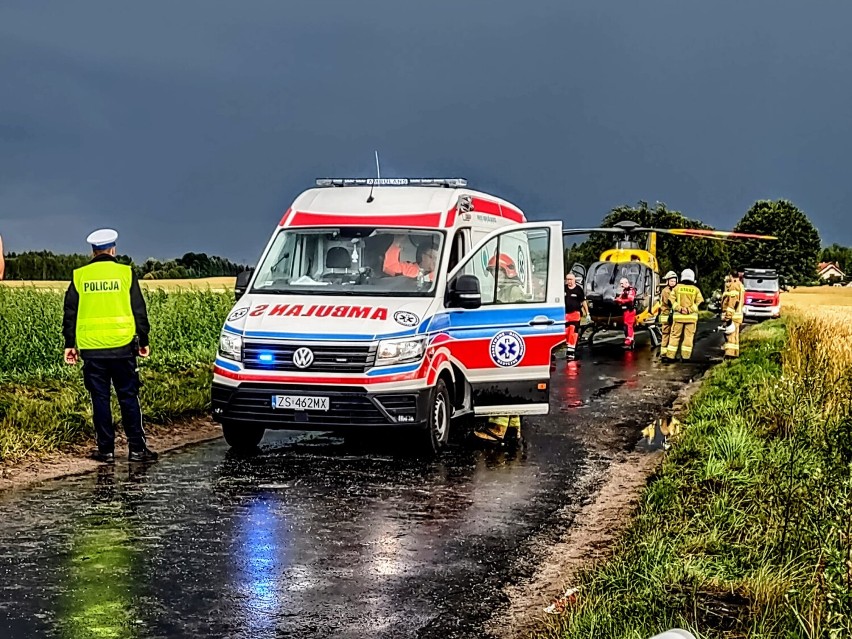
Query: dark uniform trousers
[98, 374]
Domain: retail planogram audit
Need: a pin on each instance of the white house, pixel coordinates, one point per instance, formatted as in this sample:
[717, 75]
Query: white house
[829, 271]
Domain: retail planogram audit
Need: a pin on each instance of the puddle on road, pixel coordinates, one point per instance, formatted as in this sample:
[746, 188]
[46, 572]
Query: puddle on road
[655, 435]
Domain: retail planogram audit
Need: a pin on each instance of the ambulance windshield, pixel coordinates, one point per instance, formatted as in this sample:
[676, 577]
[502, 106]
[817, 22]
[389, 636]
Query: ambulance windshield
[352, 261]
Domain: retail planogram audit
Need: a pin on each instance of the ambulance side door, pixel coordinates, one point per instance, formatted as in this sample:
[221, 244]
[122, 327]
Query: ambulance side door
[504, 346]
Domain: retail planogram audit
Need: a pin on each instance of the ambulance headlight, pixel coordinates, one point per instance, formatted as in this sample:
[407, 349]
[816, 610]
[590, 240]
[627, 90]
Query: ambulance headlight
[231, 346]
[398, 351]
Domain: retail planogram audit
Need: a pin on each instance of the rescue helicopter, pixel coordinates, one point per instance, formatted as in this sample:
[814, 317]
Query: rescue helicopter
[627, 259]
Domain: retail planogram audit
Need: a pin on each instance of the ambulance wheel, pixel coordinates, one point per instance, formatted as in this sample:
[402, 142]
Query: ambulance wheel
[437, 432]
[243, 438]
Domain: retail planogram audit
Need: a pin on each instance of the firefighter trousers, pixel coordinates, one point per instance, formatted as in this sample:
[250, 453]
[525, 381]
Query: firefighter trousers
[682, 337]
[732, 342]
[666, 332]
[497, 427]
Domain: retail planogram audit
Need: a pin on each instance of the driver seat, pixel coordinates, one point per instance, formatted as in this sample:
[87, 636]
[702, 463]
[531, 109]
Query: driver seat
[337, 263]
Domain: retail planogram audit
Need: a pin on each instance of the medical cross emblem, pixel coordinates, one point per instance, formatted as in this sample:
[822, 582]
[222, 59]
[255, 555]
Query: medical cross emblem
[507, 348]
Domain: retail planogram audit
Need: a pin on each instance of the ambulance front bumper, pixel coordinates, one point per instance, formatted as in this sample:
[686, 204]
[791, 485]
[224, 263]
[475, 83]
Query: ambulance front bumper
[348, 407]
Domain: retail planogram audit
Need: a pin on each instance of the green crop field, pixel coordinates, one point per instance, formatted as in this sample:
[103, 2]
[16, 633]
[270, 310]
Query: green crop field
[43, 404]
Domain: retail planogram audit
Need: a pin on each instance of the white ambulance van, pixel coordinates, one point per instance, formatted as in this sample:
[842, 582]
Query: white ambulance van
[403, 303]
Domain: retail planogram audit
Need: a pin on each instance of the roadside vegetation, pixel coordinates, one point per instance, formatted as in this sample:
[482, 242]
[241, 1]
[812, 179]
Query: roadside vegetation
[43, 405]
[746, 530]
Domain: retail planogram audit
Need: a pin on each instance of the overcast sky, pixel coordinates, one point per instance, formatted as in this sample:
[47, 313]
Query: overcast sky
[191, 125]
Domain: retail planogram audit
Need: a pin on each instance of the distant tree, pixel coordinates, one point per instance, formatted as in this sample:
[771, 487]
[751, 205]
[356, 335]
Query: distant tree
[796, 252]
[44, 265]
[707, 258]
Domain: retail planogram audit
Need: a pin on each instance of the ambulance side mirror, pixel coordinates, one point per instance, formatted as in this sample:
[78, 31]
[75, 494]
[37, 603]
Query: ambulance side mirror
[243, 279]
[463, 292]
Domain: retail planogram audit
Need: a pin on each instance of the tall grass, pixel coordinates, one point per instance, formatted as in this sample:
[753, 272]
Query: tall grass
[43, 405]
[747, 529]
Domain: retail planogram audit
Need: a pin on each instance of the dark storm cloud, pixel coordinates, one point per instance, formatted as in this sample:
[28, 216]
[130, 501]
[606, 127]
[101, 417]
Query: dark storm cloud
[192, 125]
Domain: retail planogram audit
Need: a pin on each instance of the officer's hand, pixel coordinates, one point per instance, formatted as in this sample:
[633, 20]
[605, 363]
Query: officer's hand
[71, 356]
[144, 351]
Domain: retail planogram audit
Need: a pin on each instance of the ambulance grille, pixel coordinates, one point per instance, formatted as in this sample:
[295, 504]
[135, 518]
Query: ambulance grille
[328, 357]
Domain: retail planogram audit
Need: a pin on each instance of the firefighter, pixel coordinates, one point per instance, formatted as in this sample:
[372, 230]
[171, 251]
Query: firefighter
[732, 313]
[501, 429]
[106, 324]
[665, 315]
[686, 298]
[576, 307]
[627, 300]
[510, 288]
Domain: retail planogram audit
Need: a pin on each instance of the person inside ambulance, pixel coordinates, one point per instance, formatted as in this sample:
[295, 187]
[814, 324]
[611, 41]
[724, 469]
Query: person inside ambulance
[426, 260]
[510, 289]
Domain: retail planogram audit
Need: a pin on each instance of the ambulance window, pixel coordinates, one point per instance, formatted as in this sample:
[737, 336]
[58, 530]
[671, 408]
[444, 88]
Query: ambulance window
[459, 248]
[519, 255]
[477, 265]
[519, 260]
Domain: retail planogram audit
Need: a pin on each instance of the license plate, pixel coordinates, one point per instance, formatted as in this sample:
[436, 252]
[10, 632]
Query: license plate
[300, 402]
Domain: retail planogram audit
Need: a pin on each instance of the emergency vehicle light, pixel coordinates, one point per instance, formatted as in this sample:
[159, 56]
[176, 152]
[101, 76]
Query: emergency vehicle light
[447, 182]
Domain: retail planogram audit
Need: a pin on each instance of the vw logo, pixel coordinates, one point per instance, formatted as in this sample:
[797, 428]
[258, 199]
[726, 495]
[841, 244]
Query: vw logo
[303, 357]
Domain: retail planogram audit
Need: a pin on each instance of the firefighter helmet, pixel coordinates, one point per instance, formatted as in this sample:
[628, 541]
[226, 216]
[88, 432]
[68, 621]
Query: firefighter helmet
[671, 275]
[507, 265]
[688, 275]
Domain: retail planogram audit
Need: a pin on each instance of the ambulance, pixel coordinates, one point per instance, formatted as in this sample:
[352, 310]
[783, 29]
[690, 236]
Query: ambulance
[415, 304]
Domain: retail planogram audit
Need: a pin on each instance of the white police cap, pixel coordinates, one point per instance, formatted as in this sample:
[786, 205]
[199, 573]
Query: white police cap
[102, 239]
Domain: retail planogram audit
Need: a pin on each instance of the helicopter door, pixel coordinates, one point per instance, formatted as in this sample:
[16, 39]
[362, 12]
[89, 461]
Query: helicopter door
[579, 272]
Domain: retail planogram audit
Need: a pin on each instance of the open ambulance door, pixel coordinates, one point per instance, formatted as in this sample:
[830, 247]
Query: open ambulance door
[504, 345]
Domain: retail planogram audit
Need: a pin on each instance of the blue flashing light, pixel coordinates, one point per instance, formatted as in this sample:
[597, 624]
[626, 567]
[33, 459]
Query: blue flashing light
[266, 358]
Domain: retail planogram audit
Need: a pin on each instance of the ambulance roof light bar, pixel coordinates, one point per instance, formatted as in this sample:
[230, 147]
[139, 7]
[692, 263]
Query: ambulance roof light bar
[452, 183]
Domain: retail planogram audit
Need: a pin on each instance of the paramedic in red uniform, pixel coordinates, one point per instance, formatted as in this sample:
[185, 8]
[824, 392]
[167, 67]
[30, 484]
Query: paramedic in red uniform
[576, 308]
[426, 257]
[626, 299]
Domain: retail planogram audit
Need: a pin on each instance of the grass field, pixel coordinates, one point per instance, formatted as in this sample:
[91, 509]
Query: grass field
[43, 405]
[746, 531]
[204, 283]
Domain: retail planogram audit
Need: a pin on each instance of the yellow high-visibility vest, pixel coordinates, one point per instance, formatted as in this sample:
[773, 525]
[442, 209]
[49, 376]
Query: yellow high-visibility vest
[105, 315]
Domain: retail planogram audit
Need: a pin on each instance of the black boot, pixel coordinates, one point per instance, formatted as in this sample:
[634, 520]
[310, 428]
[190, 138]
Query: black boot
[143, 455]
[105, 457]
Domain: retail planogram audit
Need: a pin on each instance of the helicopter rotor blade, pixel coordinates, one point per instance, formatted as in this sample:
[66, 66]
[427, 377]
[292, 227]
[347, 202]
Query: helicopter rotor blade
[710, 234]
[596, 230]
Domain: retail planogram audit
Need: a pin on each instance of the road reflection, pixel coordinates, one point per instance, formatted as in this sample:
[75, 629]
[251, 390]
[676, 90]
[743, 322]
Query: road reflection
[315, 531]
[102, 570]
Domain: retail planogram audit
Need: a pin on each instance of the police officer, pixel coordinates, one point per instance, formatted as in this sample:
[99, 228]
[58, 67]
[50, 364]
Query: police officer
[106, 324]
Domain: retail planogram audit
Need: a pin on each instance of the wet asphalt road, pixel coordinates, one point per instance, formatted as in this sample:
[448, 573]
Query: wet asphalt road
[311, 538]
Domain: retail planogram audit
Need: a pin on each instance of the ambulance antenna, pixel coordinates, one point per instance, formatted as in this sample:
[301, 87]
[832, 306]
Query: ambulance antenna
[370, 197]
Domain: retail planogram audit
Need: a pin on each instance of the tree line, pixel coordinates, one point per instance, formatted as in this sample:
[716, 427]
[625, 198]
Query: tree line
[794, 255]
[45, 265]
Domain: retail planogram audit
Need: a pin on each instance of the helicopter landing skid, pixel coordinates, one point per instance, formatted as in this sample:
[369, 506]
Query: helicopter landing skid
[656, 335]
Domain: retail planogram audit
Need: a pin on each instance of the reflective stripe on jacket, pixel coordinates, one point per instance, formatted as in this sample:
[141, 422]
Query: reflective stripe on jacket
[105, 315]
[686, 296]
[733, 300]
[665, 304]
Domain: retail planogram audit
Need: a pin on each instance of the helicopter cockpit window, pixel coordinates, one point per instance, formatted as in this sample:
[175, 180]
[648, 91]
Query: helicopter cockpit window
[604, 277]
